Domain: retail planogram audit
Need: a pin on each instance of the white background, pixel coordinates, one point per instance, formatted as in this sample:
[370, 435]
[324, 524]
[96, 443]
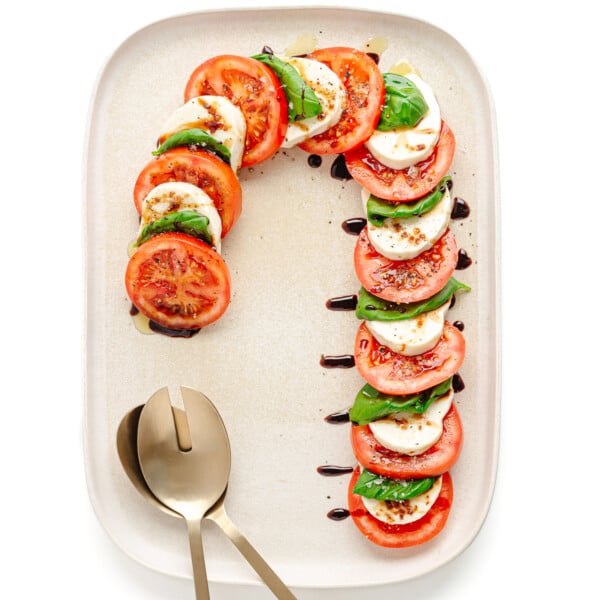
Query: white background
[540, 59]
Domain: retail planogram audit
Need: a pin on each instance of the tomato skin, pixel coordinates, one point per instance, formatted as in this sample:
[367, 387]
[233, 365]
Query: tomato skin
[409, 280]
[399, 375]
[178, 281]
[255, 89]
[404, 185]
[401, 536]
[365, 96]
[433, 462]
[201, 168]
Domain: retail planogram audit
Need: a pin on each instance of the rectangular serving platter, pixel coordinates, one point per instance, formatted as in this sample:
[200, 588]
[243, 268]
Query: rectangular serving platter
[287, 255]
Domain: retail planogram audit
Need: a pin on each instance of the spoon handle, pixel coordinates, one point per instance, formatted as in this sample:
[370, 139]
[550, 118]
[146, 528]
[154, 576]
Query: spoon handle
[256, 561]
[198, 566]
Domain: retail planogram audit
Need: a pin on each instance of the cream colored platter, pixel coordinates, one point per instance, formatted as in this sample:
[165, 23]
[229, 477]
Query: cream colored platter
[287, 254]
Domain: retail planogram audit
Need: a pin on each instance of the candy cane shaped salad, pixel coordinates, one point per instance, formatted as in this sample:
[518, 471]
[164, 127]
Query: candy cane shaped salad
[388, 129]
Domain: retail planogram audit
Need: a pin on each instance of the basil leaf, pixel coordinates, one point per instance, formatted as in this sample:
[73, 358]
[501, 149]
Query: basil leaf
[302, 100]
[371, 485]
[378, 210]
[195, 137]
[370, 404]
[183, 221]
[372, 308]
[404, 103]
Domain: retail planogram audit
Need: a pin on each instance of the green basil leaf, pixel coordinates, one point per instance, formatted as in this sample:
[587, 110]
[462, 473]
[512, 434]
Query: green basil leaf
[372, 308]
[371, 485]
[183, 221]
[378, 210]
[370, 404]
[302, 100]
[195, 138]
[404, 103]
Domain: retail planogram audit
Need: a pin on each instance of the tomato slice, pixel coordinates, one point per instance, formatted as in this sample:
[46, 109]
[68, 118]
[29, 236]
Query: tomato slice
[365, 96]
[200, 168]
[253, 87]
[407, 184]
[395, 374]
[409, 280]
[178, 281]
[401, 536]
[433, 462]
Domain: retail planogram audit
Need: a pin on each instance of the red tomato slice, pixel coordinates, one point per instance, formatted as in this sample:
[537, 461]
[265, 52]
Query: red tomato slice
[407, 184]
[200, 168]
[409, 280]
[365, 96]
[395, 374]
[178, 281]
[401, 536]
[433, 462]
[253, 87]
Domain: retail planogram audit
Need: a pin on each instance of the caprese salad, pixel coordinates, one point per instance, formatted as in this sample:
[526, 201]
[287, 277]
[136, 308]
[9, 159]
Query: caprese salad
[238, 111]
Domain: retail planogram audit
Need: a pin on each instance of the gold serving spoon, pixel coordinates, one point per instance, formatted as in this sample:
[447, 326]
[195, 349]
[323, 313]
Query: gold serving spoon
[128, 455]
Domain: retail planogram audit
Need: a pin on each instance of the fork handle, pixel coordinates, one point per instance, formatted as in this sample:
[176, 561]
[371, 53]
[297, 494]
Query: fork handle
[256, 561]
[197, 551]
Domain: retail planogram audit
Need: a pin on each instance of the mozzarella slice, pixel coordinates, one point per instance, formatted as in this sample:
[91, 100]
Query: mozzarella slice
[412, 433]
[401, 239]
[404, 147]
[331, 94]
[218, 116]
[175, 196]
[411, 337]
[405, 511]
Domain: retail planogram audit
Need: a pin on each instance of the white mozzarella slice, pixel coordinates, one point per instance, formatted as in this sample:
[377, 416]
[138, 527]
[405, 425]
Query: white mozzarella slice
[175, 196]
[331, 94]
[218, 116]
[404, 147]
[405, 511]
[401, 239]
[411, 337]
[412, 433]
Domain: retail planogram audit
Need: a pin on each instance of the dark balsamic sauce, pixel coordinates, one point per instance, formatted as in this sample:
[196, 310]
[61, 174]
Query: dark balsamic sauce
[334, 470]
[345, 361]
[314, 161]
[179, 333]
[464, 260]
[459, 325]
[339, 169]
[338, 514]
[342, 302]
[354, 226]
[460, 209]
[176, 333]
[458, 385]
[375, 56]
[338, 418]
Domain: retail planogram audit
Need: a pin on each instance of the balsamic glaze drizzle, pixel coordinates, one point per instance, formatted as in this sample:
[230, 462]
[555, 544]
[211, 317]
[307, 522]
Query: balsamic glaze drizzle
[338, 418]
[334, 470]
[342, 302]
[339, 169]
[338, 514]
[458, 385]
[354, 226]
[344, 361]
[314, 161]
[460, 209]
[464, 260]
